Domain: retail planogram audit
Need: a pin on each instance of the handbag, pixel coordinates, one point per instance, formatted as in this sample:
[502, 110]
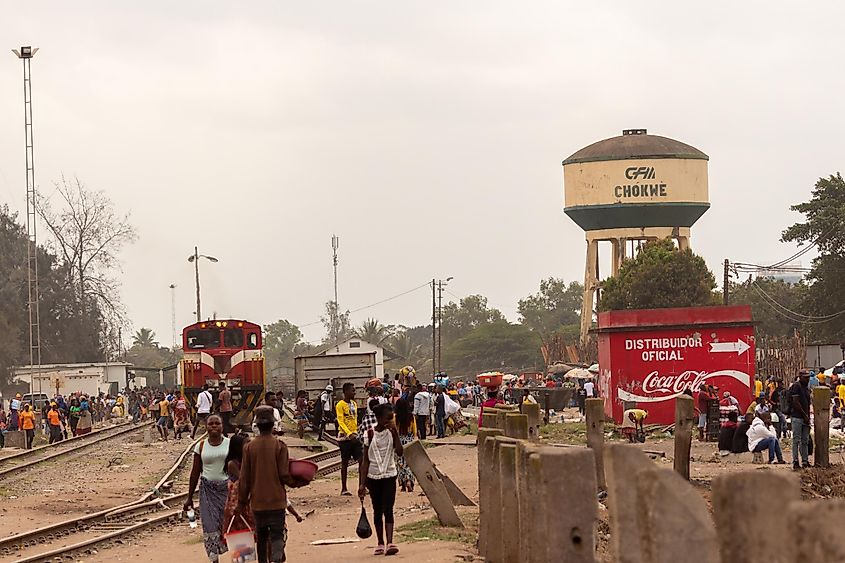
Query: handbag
[241, 543]
[363, 530]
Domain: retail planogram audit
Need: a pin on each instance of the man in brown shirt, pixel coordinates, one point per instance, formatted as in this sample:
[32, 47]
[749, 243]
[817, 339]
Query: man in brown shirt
[224, 398]
[264, 474]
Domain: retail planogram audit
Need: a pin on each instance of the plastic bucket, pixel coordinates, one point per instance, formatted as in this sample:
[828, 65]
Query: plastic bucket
[241, 546]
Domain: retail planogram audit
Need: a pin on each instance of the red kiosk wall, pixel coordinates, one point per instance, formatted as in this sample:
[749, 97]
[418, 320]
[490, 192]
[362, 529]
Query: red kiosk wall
[650, 356]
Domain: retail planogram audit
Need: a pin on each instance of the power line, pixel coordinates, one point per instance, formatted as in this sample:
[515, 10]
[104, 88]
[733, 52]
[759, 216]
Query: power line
[789, 313]
[397, 296]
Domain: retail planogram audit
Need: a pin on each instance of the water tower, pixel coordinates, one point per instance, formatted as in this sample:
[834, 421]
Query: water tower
[629, 189]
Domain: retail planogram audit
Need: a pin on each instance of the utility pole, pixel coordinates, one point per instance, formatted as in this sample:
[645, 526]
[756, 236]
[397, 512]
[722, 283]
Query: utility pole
[25, 54]
[173, 313]
[725, 283]
[195, 258]
[336, 319]
[433, 329]
[440, 325]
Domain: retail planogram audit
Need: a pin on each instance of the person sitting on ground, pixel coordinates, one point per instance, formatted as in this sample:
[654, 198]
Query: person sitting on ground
[740, 443]
[632, 420]
[378, 474]
[762, 436]
[726, 433]
[762, 407]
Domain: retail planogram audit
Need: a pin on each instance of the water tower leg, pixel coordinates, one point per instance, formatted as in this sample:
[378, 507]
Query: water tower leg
[590, 284]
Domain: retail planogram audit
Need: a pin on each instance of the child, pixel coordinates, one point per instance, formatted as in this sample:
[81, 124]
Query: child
[378, 474]
[261, 486]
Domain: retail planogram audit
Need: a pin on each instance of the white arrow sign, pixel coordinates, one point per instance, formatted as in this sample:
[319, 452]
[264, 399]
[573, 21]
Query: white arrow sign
[740, 347]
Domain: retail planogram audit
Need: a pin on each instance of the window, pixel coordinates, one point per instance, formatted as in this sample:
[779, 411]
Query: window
[203, 338]
[252, 340]
[354, 344]
[233, 338]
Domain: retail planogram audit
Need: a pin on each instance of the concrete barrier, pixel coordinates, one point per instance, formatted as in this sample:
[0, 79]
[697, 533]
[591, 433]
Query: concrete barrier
[15, 439]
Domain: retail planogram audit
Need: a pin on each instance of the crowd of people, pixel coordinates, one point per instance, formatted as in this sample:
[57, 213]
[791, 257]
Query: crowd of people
[775, 413]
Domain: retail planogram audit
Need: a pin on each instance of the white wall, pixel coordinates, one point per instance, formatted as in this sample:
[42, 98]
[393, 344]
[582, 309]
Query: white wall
[356, 346]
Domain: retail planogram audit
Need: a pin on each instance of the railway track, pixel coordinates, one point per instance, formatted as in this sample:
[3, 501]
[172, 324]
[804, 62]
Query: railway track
[99, 527]
[111, 524]
[29, 458]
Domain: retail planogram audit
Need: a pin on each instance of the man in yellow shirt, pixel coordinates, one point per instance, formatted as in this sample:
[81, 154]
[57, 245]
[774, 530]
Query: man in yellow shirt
[758, 387]
[163, 417]
[840, 392]
[632, 421]
[347, 433]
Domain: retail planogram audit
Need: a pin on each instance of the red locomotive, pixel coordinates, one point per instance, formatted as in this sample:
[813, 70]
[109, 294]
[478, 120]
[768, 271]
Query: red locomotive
[224, 350]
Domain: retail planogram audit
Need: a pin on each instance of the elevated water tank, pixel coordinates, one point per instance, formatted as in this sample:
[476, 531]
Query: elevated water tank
[636, 180]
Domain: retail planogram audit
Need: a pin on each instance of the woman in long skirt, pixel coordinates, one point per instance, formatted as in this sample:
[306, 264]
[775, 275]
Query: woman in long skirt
[233, 518]
[407, 428]
[209, 471]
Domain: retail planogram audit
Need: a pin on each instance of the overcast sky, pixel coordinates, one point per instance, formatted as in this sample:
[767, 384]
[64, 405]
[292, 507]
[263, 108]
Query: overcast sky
[428, 136]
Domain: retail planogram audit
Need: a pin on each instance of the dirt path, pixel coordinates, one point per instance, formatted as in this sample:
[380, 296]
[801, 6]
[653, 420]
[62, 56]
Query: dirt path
[333, 517]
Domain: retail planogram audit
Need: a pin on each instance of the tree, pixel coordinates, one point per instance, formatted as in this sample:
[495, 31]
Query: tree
[87, 234]
[280, 341]
[336, 324]
[557, 304]
[498, 345]
[459, 319]
[373, 332]
[410, 351]
[659, 276]
[66, 335]
[824, 228]
[144, 338]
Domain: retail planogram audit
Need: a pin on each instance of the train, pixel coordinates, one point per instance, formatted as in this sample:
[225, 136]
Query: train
[228, 350]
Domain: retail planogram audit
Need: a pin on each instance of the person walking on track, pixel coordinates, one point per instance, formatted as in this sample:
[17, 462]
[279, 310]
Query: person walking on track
[203, 409]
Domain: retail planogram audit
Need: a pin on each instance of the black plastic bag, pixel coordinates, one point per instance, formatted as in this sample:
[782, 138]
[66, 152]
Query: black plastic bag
[363, 529]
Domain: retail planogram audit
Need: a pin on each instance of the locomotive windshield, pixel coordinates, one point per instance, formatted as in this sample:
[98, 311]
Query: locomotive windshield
[233, 338]
[203, 338]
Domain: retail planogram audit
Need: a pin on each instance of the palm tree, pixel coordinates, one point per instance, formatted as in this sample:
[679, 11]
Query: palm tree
[373, 332]
[144, 338]
[408, 352]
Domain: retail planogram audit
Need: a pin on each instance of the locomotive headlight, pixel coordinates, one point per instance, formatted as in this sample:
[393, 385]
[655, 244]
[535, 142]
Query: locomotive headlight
[224, 324]
[218, 324]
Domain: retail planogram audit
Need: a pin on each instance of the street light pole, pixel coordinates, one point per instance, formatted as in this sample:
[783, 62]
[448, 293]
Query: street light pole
[440, 285]
[195, 258]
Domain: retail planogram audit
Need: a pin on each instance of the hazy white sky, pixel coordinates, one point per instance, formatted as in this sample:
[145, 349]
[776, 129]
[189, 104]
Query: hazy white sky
[428, 136]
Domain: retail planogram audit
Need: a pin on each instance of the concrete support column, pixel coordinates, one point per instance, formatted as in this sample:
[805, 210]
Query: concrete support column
[623, 465]
[684, 417]
[516, 426]
[531, 505]
[768, 492]
[567, 479]
[821, 426]
[510, 501]
[590, 283]
[532, 411]
[594, 409]
[486, 437]
[815, 532]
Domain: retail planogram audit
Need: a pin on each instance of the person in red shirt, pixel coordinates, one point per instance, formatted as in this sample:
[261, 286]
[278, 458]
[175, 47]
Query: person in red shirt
[492, 400]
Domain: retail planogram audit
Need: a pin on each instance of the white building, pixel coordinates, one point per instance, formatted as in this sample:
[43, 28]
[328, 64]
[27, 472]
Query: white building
[357, 346]
[89, 378]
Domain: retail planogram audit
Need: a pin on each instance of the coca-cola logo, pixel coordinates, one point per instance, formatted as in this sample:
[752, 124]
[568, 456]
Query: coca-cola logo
[656, 383]
[656, 387]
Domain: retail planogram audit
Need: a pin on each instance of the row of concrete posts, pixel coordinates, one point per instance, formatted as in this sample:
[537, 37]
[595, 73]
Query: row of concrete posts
[540, 504]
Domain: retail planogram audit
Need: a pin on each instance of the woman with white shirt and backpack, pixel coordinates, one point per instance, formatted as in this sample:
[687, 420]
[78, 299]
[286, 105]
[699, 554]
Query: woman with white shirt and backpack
[378, 474]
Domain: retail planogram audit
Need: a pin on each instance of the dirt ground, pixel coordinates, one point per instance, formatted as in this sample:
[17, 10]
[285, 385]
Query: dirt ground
[333, 517]
[81, 483]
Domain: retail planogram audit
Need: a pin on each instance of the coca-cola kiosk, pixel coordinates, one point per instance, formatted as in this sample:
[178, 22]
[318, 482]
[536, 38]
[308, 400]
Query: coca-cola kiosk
[648, 357]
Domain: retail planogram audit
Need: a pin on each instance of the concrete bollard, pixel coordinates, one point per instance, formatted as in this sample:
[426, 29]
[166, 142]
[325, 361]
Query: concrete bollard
[494, 540]
[622, 465]
[684, 417]
[530, 503]
[815, 535]
[488, 418]
[595, 436]
[567, 479]
[768, 492]
[15, 439]
[485, 469]
[821, 426]
[675, 523]
[532, 411]
[510, 504]
[516, 426]
[431, 484]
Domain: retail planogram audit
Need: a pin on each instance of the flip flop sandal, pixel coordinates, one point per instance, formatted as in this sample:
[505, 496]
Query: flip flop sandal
[379, 550]
[391, 549]
[346, 494]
